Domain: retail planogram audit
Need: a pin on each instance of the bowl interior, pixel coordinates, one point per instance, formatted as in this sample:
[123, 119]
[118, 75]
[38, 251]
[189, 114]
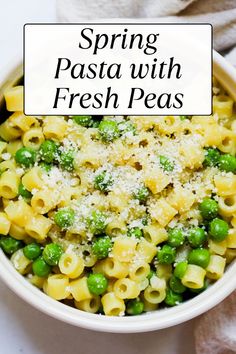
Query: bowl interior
[146, 322]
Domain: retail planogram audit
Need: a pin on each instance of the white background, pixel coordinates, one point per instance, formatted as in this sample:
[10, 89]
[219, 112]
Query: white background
[25, 330]
[189, 45]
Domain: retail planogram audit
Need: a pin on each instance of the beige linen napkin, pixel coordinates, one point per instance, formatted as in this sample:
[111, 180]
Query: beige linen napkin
[215, 331]
[220, 13]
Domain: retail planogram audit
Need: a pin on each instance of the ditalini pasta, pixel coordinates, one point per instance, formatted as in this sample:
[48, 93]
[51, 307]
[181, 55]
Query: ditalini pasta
[119, 215]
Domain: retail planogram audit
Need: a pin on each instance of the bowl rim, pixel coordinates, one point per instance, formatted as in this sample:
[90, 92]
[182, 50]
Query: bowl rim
[150, 321]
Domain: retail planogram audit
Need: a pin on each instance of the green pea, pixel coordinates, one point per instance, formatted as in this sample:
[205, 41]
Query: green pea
[101, 247]
[32, 251]
[196, 237]
[172, 298]
[85, 121]
[135, 232]
[96, 222]
[180, 269]
[200, 257]
[52, 253]
[212, 157]
[227, 163]
[41, 268]
[96, 123]
[166, 255]
[64, 218]
[184, 117]
[108, 130]
[10, 245]
[48, 151]
[142, 194]
[103, 181]
[176, 285]
[66, 160]
[46, 166]
[24, 192]
[166, 163]
[25, 156]
[175, 237]
[97, 283]
[135, 307]
[208, 208]
[218, 229]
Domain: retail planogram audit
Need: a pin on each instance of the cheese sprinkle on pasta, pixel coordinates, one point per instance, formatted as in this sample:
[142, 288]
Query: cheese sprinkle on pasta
[119, 214]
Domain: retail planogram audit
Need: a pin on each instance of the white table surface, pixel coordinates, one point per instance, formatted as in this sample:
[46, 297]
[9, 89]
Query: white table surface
[24, 329]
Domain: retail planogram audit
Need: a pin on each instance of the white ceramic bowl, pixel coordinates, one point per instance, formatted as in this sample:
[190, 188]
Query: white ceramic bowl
[226, 74]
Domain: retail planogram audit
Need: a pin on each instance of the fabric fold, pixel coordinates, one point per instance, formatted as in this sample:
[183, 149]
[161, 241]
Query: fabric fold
[221, 14]
[215, 331]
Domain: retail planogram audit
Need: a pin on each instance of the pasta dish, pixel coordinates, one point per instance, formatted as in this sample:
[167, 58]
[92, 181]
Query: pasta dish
[119, 215]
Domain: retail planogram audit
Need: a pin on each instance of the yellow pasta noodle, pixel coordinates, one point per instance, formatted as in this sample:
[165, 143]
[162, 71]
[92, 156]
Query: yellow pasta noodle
[18, 232]
[37, 281]
[113, 268]
[5, 224]
[230, 255]
[164, 271]
[228, 141]
[89, 305]
[9, 183]
[225, 185]
[20, 262]
[181, 199]
[19, 212]
[223, 106]
[155, 234]
[124, 248]
[38, 226]
[3, 147]
[8, 165]
[146, 250]
[71, 265]
[139, 270]
[33, 138]
[54, 128]
[194, 277]
[148, 306]
[112, 305]
[22, 122]
[44, 200]
[13, 146]
[218, 247]
[8, 133]
[231, 239]
[126, 289]
[79, 289]
[58, 286]
[227, 205]
[156, 292]
[14, 98]
[215, 268]
[163, 212]
[33, 179]
[156, 180]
